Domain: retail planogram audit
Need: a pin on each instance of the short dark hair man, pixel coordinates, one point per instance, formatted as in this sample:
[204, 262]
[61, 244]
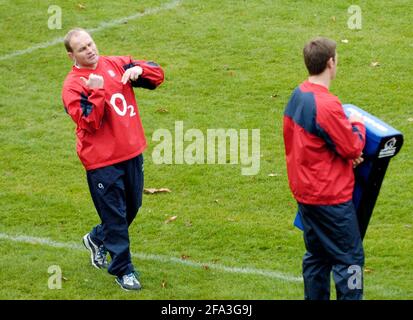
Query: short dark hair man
[322, 146]
[98, 95]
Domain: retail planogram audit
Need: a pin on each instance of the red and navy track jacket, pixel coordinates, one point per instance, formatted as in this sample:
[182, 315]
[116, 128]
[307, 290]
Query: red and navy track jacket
[108, 126]
[320, 144]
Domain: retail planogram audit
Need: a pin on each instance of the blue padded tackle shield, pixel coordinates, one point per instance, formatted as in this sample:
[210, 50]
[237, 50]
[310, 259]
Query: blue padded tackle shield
[382, 143]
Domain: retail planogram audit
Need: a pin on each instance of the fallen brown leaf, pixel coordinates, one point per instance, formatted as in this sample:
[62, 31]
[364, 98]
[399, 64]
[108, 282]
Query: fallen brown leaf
[368, 270]
[188, 223]
[184, 257]
[81, 6]
[162, 110]
[344, 41]
[333, 18]
[173, 218]
[154, 190]
[375, 64]
[163, 284]
[410, 119]
[204, 266]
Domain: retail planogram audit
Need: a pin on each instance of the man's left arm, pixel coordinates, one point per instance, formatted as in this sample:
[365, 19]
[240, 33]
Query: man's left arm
[144, 74]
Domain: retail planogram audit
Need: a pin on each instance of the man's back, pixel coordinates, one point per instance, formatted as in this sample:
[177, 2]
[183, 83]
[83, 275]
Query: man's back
[320, 144]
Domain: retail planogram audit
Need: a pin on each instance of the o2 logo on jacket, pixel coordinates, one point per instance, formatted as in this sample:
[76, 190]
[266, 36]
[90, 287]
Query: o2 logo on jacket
[124, 107]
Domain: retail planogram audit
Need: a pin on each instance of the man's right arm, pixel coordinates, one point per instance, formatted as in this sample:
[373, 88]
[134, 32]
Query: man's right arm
[347, 138]
[84, 104]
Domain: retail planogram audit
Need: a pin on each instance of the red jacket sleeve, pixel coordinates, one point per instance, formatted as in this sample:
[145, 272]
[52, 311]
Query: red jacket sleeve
[86, 107]
[345, 138]
[152, 75]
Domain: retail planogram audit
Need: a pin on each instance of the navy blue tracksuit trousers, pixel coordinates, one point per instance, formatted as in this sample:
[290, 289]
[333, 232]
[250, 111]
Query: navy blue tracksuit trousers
[333, 243]
[117, 194]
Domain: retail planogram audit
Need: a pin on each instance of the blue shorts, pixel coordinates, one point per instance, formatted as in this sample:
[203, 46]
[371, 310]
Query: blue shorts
[117, 194]
[333, 243]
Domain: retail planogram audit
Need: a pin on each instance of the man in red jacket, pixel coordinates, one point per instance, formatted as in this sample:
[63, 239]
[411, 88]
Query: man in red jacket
[322, 146]
[99, 97]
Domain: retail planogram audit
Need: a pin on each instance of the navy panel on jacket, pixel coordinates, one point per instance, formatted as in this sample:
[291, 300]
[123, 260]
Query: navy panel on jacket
[302, 109]
[85, 105]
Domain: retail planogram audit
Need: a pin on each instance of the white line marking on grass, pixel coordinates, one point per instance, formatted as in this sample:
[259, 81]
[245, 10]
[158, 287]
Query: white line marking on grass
[102, 26]
[160, 258]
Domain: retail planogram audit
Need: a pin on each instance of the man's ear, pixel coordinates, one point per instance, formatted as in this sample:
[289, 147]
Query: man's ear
[70, 55]
[330, 63]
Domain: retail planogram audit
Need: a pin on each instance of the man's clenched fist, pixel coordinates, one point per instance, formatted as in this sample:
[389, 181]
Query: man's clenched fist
[94, 81]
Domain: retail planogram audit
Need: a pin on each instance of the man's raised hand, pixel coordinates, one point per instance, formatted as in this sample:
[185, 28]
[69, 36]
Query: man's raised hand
[131, 74]
[94, 81]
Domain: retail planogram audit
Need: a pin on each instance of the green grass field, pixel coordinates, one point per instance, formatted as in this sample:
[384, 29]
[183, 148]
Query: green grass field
[228, 64]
